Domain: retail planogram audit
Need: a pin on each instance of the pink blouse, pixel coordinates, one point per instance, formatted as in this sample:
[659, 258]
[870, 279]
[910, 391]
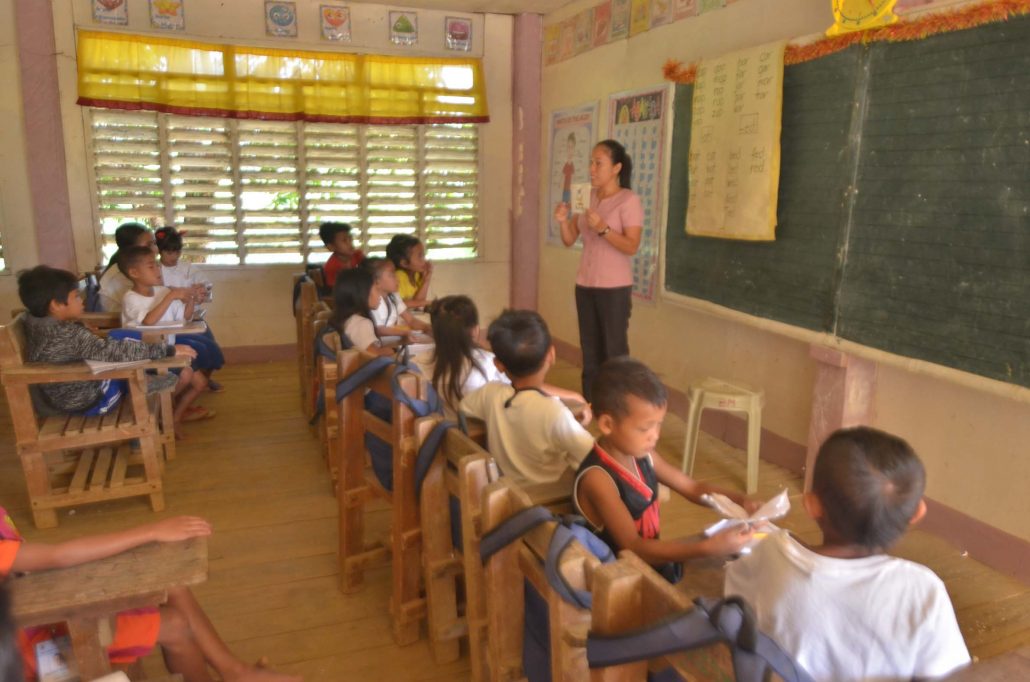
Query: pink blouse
[602, 265]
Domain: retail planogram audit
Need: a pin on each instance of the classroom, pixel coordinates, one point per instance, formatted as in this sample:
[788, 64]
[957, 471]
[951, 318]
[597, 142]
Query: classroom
[425, 236]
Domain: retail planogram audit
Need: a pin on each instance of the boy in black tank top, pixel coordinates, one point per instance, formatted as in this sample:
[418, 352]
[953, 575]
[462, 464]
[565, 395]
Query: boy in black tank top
[616, 487]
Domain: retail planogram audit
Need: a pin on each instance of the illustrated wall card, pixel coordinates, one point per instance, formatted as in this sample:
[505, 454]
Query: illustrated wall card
[567, 39]
[281, 19]
[709, 5]
[458, 33]
[620, 19]
[335, 23]
[167, 15]
[734, 160]
[602, 23]
[404, 28]
[584, 31]
[552, 38]
[572, 138]
[681, 9]
[115, 12]
[661, 12]
[640, 16]
[639, 120]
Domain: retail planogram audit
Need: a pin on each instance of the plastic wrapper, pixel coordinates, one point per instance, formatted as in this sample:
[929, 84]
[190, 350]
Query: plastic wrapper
[734, 515]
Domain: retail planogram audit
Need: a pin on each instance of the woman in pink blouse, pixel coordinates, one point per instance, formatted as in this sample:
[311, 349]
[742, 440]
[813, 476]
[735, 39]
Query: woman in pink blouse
[610, 230]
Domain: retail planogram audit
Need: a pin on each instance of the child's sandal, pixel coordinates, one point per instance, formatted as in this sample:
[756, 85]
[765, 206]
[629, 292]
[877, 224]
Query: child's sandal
[197, 413]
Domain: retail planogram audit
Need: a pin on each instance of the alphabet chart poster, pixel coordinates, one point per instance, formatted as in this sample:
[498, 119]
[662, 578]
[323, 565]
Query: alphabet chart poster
[638, 119]
[572, 138]
[734, 159]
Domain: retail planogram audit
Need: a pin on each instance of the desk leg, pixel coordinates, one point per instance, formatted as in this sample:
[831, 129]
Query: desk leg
[90, 654]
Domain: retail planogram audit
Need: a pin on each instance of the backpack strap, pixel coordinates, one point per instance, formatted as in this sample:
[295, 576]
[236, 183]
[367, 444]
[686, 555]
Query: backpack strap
[511, 529]
[361, 376]
[728, 620]
[427, 452]
[421, 408]
[561, 539]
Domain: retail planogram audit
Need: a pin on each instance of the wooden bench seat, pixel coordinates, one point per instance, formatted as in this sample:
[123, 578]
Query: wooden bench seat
[73, 459]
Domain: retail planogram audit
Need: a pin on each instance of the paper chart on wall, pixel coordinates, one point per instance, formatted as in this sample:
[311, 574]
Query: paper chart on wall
[572, 138]
[638, 119]
[734, 160]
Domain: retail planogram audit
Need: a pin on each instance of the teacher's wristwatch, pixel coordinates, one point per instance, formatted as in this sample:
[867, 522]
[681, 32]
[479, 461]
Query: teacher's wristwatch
[606, 230]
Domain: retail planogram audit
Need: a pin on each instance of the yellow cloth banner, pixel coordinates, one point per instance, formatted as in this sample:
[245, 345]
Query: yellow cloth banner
[125, 71]
[734, 160]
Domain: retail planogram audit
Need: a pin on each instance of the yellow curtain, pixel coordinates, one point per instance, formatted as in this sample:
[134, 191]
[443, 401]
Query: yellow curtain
[124, 71]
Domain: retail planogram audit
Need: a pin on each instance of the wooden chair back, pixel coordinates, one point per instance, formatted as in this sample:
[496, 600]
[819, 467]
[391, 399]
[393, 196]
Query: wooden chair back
[305, 353]
[71, 459]
[325, 378]
[358, 484]
[629, 595]
[506, 576]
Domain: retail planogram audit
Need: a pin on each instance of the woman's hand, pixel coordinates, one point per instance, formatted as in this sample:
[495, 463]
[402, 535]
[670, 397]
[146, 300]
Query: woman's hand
[561, 212]
[594, 220]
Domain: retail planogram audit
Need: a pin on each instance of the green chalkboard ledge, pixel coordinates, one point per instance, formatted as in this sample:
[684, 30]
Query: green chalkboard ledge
[965, 379]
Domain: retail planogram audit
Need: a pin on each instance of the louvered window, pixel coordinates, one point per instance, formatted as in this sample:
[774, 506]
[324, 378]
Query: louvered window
[256, 191]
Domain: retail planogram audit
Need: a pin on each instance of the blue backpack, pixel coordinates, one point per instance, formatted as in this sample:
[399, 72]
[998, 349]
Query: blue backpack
[536, 640]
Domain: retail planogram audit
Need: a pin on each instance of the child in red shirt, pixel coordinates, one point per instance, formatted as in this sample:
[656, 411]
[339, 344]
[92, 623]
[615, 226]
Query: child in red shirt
[337, 238]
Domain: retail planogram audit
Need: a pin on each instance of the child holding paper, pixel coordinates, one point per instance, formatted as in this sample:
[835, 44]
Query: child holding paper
[616, 487]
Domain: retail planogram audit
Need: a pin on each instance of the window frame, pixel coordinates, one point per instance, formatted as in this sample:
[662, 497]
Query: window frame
[306, 249]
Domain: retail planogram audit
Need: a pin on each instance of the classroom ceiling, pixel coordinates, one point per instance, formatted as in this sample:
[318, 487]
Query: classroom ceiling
[493, 6]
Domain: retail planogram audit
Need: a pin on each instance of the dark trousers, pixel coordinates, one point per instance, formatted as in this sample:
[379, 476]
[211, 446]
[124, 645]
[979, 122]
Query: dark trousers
[603, 327]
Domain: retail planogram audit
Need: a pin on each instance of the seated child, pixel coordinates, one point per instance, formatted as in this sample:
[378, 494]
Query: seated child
[354, 297]
[845, 609]
[178, 273]
[414, 272]
[190, 643]
[533, 436]
[457, 365]
[150, 303]
[54, 333]
[175, 272]
[113, 284]
[616, 488]
[338, 239]
[391, 311]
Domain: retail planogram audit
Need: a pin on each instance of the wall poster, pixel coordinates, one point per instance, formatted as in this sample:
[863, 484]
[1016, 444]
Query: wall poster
[572, 138]
[639, 120]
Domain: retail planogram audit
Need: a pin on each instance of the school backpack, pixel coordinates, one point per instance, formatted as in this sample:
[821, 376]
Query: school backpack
[730, 621]
[536, 640]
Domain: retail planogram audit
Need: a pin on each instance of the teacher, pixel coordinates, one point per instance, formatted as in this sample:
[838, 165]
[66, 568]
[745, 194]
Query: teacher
[610, 229]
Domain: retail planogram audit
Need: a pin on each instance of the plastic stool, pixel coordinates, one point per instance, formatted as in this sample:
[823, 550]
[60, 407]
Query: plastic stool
[720, 395]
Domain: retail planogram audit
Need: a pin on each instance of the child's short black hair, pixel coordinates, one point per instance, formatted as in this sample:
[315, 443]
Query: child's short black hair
[328, 231]
[168, 239]
[131, 257]
[42, 284]
[870, 484]
[623, 376]
[374, 265]
[521, 340]
[400, 247]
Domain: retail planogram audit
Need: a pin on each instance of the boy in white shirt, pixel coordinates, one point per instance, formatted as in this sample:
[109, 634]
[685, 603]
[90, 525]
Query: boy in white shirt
[845, 609]
[530, 432]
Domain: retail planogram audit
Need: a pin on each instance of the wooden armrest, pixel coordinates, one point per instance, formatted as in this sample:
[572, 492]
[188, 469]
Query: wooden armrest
[49, 373]
[140, 575]
[103, 320]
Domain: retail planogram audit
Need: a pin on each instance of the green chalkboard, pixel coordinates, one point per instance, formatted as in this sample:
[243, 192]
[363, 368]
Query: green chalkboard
[904, 204]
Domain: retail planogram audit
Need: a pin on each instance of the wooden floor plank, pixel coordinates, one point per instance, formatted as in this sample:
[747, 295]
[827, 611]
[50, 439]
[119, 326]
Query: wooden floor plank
[255, 472]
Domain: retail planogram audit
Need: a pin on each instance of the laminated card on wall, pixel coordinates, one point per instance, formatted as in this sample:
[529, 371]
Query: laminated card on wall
[734, 160]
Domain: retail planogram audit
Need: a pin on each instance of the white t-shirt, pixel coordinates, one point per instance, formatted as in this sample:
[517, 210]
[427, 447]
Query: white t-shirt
[182, 275]
[877, 618]
[361, 332]
[389, 314]
[136, 306]
[113, 285]
[474, 377]
[535, 438]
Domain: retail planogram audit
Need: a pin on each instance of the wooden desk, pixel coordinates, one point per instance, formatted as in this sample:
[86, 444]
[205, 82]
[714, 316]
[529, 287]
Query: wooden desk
[84, 595]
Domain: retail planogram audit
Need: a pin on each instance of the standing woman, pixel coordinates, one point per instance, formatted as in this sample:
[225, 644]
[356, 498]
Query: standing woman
[610, 230]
